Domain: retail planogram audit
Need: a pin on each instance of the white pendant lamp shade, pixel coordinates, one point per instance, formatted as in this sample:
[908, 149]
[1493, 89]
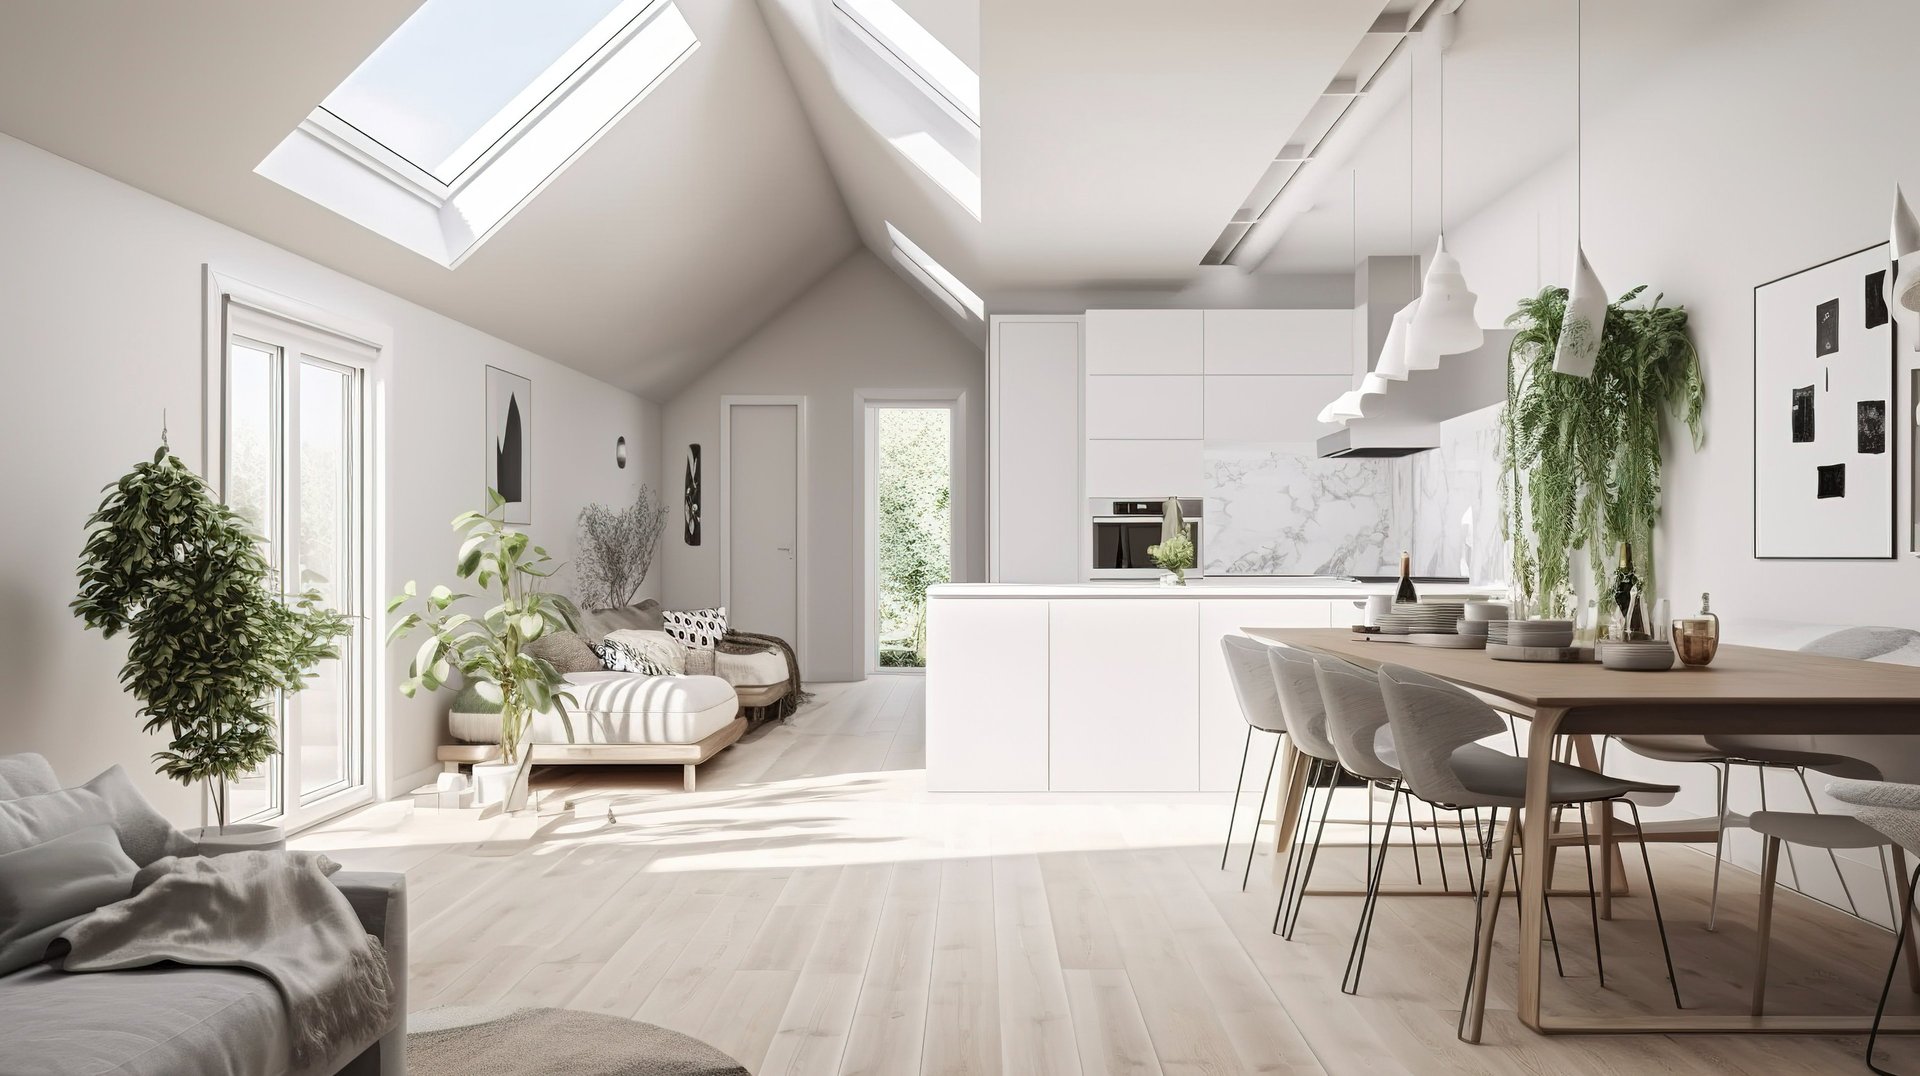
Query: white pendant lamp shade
[1392, 363]
[1583, 323]
[1344, 409]
[1444, 324]
[1906, 252]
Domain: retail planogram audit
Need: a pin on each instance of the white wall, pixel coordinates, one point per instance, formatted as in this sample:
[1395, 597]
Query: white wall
[1771, 143]
[100, 313]
[860, 327]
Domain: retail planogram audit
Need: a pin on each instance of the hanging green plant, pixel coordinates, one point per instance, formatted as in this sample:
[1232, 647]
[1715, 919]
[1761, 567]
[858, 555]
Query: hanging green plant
[1589, 448]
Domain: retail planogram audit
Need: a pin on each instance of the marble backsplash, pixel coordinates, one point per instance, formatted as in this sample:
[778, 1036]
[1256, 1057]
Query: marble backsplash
[1277, 509]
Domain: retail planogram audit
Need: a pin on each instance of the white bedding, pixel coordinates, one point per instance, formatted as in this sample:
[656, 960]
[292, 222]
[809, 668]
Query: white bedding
[621, 708]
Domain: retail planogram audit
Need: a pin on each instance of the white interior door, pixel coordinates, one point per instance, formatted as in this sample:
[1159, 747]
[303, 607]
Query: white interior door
[763, 519]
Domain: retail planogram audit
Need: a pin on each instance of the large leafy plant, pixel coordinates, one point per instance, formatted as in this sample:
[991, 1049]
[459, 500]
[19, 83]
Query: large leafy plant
[1582, 457]
[488, 648]
[212, 642]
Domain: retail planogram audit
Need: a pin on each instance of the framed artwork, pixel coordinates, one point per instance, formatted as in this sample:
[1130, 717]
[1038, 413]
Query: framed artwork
[1824, 369]
[509, 447]
[691, 495]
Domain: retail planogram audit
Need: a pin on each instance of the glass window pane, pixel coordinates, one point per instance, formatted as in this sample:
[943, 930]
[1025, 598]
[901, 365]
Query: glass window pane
[459, 73]
[252, 435]
[321, 715]
[915, 523]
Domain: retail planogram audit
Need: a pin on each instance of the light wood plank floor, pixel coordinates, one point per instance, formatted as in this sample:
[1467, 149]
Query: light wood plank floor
[813, 910]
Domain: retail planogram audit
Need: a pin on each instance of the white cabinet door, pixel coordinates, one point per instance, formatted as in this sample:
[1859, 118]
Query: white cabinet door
[1143, 469]
[987, 694]
[1124, 695]
[1279, 342]
[1036, 506]
[1151, 408]
[1143, 342]
[1223, 731]
[1269, 409]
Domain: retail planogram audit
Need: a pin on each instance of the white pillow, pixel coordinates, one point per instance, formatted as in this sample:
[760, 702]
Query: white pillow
[664, 650]
[26, 774]
[110, 798]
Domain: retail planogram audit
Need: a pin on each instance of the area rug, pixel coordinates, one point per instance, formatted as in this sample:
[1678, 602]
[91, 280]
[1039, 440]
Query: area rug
[505, 1041]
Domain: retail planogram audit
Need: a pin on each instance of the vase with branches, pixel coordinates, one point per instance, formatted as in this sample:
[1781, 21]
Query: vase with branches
[1582, 456]
[616, 550]
[213, 643]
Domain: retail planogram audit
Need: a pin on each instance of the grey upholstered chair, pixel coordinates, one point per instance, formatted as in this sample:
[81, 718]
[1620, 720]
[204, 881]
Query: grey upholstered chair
[1436, 728]
[1259, 698]
[1306, 716]
[1893, 811]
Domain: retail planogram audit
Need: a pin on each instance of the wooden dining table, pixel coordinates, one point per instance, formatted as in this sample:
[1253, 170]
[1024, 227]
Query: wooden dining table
[1745, 690]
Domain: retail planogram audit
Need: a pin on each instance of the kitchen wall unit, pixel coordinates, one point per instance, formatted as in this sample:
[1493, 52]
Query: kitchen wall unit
[1121, 342]
[1282, 342]
[1035, 509]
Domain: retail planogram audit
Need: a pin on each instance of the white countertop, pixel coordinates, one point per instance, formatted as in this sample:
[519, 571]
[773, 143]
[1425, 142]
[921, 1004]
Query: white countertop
[1229, 587]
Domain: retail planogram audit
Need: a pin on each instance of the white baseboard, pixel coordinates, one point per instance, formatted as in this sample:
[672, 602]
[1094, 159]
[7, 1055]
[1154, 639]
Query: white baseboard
[402, 785]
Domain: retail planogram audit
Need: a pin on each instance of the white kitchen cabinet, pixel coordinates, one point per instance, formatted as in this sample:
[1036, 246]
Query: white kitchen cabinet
[1144, 342]
[1279, 342]
[1144, 469]
[1036, 511]
[1223, 731]
[1123, 699]
[1161, 408]
[1269, 409]
[987, 695]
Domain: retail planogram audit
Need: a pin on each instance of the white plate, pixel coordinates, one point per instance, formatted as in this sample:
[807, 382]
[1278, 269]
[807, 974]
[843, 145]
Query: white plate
[1449, 642]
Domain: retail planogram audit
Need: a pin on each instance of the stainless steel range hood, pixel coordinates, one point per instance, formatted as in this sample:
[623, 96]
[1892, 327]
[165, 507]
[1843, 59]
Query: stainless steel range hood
[1406, 419]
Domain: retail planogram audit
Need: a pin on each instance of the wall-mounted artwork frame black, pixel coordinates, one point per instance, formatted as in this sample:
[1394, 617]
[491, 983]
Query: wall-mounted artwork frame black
[1825, 375]
[691, 496]
[509, 444]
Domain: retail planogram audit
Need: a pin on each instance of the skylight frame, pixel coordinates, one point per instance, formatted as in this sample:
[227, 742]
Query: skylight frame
[916, 53]
[935, 277]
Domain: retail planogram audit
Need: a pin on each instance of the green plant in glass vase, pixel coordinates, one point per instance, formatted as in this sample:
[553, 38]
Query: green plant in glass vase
[1174, 555]
[1582, 456]
[489, 649]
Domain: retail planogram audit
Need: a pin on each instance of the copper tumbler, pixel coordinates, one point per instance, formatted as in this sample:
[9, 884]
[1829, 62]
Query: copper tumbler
[1696, 639]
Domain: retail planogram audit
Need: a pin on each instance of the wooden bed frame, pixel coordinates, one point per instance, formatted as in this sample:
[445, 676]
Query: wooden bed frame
[687, 755]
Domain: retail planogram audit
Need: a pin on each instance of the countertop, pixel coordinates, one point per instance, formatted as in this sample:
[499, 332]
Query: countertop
[1233, 587]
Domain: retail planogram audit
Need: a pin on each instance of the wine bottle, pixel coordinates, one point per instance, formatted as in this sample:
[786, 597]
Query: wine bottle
[1624, 580]
[1405, 593]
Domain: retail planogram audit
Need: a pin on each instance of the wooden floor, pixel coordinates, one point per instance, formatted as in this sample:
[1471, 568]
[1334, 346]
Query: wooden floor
[812, 910]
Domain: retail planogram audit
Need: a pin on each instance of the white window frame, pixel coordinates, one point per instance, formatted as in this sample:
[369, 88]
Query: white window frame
[867, 405]
[237, 309]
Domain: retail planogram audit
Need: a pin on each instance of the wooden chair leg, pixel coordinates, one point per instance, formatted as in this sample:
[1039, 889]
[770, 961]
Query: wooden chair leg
[1769, 870]
[1906, 895]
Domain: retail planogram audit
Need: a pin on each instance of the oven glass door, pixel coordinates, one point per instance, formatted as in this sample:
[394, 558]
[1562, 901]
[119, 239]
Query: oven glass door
[1120, 544]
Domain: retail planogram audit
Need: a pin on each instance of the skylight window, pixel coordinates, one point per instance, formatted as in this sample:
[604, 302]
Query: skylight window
[468, 110]
[911, 89]
[935, 277]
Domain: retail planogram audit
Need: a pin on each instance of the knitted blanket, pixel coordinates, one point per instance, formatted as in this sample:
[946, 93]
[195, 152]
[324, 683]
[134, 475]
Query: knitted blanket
[746, 642]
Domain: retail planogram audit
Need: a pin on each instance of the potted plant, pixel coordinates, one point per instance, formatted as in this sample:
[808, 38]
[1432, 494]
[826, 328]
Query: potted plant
[1174, 556]
[1581, 456]
[486, 648]
[616, 550]
[212, 641]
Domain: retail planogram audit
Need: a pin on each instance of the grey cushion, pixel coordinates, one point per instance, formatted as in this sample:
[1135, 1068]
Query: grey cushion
[645, 616]
[110, 798]
[566, 652]
[47, 886]
[26, 774]
[159, 1021]
[1502, 779]
[1897, 646]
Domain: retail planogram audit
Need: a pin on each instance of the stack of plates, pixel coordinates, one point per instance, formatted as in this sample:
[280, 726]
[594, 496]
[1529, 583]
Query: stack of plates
[1474, 628]
[1420, 618]
[1636, 656]
[1532, 633]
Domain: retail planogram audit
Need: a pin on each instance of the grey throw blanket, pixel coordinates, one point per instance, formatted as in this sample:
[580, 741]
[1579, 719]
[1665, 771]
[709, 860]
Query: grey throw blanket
[747, 642]
[275, 913]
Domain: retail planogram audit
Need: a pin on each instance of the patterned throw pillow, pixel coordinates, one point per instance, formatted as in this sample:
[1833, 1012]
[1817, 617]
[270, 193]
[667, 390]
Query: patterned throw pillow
[619, 657]
[698, 627]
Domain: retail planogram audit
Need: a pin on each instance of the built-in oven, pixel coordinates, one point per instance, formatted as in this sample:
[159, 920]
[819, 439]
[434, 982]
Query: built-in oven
[1122, 531]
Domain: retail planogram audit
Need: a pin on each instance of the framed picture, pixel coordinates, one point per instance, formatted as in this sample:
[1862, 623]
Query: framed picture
[509, 448]
[691, 495]
[1824, 369]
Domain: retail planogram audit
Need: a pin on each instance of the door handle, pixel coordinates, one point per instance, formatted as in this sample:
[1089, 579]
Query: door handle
[783, 548]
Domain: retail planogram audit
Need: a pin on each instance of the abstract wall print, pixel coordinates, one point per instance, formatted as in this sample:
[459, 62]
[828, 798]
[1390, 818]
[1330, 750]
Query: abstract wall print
[1823, 369]
[509, 447]
[691, 495]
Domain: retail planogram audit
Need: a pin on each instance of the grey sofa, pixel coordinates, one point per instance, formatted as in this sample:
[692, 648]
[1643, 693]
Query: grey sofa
[174, 1019]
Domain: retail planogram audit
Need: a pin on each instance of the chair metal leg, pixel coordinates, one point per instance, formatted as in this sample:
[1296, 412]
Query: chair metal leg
[1258, 812]
[1439, 851]
[1899, 873]
[1239, 782]
[1831, 857]
[1362, 930]
[1763, 926]
[1899, 944]
[1306, 875]
[1413, 843]
[1653, 897]
[1593, 896]
[1479, 924]
[1466, 856]
[1299, 842]
[1721, 778]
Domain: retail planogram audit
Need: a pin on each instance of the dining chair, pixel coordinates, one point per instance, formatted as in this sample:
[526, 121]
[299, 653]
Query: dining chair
[1893, 811]
[1436, 732]
[1306, 715]
[1259, 698]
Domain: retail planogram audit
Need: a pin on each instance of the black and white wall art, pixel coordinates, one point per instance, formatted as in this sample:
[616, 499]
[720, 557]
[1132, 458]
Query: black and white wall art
[509, 447]
[1823, 378]
[692, 495]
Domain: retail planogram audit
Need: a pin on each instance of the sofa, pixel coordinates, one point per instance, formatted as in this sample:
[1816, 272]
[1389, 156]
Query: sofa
[210, 1021]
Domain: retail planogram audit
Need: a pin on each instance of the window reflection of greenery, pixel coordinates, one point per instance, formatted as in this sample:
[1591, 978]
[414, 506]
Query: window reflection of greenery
[915, 531]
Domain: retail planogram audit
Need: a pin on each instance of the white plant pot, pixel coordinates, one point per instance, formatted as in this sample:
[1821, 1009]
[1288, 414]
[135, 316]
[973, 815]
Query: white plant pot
[504, 783]
[240, 837]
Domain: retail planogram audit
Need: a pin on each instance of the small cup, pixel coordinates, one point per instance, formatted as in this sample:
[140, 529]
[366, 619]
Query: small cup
[1377, 604]
[1696, 639]
[1486, 611]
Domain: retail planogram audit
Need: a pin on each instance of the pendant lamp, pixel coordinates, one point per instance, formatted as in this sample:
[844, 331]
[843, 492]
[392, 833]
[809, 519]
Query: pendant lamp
[1393, 353]
[1444, 323]
[1344, 409]
[1584, 321]
[1906, 252]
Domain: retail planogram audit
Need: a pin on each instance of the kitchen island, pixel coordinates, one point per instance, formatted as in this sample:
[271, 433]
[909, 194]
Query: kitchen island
[1106, 687]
